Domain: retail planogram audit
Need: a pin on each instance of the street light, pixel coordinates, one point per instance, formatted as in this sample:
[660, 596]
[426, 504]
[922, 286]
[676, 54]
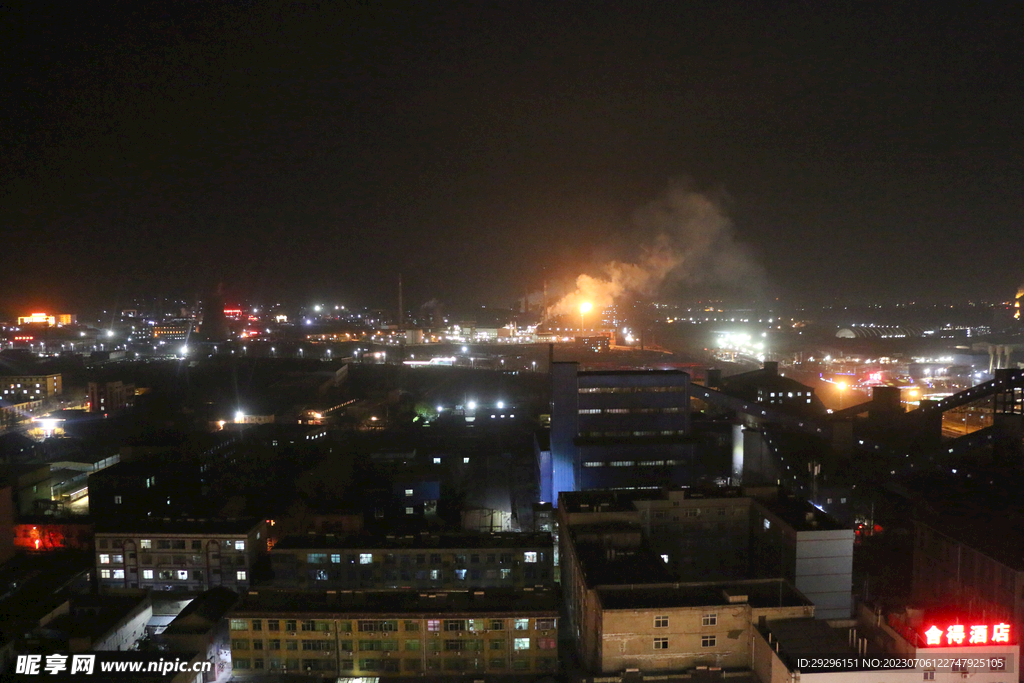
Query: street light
[841, 386]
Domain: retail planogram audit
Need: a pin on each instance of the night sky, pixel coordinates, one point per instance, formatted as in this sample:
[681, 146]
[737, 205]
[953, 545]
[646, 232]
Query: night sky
[860, 149]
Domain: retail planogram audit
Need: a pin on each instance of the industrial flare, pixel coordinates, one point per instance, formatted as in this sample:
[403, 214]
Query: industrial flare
[693, 242]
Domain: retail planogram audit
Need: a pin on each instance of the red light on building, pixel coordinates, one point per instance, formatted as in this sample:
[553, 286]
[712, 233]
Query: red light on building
[974, 634]
[875, 377]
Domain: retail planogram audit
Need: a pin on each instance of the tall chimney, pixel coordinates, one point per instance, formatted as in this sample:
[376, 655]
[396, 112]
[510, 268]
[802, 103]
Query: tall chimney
[401, 308]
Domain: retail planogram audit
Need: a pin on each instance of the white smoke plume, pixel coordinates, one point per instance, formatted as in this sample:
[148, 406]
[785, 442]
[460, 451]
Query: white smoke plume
[693, 243]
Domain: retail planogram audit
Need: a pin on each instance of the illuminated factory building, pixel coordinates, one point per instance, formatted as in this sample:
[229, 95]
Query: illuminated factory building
[47, 319]
[616, 429]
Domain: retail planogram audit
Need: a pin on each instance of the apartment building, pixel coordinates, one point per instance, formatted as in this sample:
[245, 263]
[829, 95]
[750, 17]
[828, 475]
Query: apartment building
[178, 555]
[395, 634]
[27, 388]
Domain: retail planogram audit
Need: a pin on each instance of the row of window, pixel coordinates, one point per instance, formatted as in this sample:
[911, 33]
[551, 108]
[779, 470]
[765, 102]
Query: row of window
[710, 619]
[642, 432]
[628, 411]
[170, 574]
[697, 512]
[630, 390]
[633, 463]
[475, 645]
[705, 641]
[393, 665]
[420, 558]
[391, 625]
[168, 544]
[423, 574]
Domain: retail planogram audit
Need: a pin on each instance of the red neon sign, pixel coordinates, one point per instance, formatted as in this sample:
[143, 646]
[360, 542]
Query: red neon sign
[974, 634]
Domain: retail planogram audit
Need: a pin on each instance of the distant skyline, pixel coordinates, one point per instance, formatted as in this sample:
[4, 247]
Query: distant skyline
[857, 151]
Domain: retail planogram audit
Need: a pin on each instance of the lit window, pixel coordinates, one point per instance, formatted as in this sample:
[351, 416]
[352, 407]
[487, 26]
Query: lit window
[117, 500]
[408, 492]
[437, 461]
[661, 622]
[336, 558]
[522, 643]
[239, 545]
[104, 559]
[147, 573]
[241, 575]
[529, 557]
[118, 574]
[146, 544]
[365, 558]
[709, 620]
[409, 511]
[182, 575]
[661, 643]
[708, 641]
[767, 524]
[465, 461]
[104, 573]
[522, 625]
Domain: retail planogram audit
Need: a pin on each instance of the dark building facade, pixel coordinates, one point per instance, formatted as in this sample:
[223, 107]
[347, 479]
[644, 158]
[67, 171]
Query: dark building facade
[455, 561]
[616, 429]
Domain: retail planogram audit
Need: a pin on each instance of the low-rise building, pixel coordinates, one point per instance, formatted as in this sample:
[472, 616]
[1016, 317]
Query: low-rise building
[714, 534]
[178, 555]
[202, 627]
[904, 647]
[403, 634]
[675, 628]
[26, 388]
[106, 397]
[105, 623]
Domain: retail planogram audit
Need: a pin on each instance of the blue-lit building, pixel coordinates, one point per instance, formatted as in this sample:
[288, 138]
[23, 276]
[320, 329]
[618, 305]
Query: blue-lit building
[616, 429]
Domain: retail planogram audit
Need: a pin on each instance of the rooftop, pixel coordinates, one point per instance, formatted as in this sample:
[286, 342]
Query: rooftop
[756, 593]
[806, 638]
[605, 565]
[203, 613]
[347, 604]
[180, 527]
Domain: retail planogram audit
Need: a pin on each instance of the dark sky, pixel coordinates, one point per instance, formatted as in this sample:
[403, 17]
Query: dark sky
[861, 149]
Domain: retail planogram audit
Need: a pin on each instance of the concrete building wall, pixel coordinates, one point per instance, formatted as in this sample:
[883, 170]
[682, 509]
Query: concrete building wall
[824, 571]
[692, 636]
[126, 634]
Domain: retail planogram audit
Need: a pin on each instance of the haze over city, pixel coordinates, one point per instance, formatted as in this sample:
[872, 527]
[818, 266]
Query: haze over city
[862, 152]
